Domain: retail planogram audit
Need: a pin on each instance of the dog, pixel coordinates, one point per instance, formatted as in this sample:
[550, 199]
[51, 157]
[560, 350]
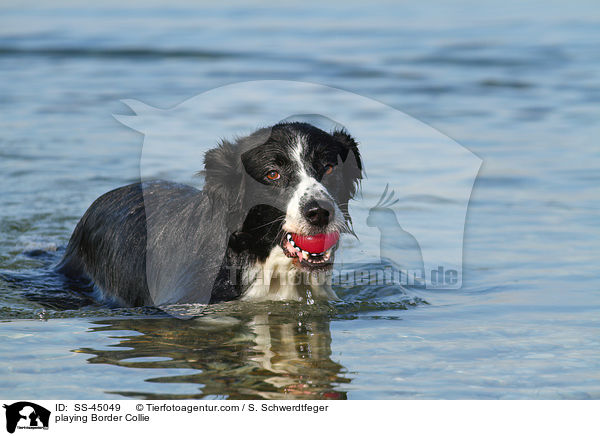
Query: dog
[265, 226]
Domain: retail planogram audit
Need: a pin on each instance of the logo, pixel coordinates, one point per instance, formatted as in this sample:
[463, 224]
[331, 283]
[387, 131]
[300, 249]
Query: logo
[26, 415]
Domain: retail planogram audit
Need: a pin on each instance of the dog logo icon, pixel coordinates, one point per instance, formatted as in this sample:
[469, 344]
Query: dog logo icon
[26, 415]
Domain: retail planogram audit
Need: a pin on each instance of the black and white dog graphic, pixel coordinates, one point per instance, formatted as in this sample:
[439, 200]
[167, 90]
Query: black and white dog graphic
[266, 223]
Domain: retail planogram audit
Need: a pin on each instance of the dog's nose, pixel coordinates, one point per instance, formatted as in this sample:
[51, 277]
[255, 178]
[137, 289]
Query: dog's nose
[318, 213]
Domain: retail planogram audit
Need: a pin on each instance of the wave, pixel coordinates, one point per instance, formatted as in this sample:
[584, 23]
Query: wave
[122, 52]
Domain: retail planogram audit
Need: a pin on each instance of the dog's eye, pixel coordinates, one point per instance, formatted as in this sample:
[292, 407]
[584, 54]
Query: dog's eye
[273, 175]
[328, 169]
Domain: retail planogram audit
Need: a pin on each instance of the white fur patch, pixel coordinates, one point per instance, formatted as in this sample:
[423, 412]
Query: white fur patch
[278, 279]
[311, 188]
[297, 153]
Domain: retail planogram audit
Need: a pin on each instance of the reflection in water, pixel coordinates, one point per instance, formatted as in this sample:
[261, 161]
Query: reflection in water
[263, 355]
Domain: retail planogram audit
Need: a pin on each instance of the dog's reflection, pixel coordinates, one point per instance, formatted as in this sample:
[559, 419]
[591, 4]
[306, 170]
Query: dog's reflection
[266, 356]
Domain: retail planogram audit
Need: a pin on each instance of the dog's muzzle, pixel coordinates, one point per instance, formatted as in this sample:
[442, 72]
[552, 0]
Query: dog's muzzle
[312, 252]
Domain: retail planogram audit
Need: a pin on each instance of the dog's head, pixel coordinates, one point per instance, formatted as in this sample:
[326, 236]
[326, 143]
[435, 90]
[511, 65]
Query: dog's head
[287, 186]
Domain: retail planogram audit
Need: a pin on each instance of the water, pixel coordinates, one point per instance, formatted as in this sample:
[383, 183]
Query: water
[517, 84]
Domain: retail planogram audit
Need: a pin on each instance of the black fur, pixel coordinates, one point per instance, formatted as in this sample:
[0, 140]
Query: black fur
[157, 243]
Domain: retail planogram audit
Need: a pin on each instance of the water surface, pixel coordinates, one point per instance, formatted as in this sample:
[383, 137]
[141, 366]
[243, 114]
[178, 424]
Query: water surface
[517, 84]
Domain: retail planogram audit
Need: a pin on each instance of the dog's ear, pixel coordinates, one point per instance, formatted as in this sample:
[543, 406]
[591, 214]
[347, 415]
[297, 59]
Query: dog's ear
[225, 178]
[351, 167]
[221, 167]
[351, 145]
[351, 160]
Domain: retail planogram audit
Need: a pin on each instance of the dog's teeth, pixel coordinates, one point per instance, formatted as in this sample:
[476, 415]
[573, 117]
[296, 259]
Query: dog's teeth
[305, 253]
[314, 254]
[289, 237]
[297, 248]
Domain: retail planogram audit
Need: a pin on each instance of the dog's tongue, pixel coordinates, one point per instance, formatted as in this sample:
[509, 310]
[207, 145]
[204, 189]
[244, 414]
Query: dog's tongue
[316, 243]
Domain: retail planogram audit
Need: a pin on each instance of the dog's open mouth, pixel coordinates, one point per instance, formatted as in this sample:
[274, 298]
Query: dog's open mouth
[312, 252]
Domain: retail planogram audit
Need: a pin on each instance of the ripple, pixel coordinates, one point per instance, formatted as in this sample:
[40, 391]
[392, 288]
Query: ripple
[129, 53]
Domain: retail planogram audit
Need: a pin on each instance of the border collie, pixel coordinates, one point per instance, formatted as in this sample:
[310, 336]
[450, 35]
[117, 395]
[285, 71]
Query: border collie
[264, 227]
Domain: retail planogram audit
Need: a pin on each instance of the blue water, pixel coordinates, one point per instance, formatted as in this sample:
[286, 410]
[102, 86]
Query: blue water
[517, 84]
